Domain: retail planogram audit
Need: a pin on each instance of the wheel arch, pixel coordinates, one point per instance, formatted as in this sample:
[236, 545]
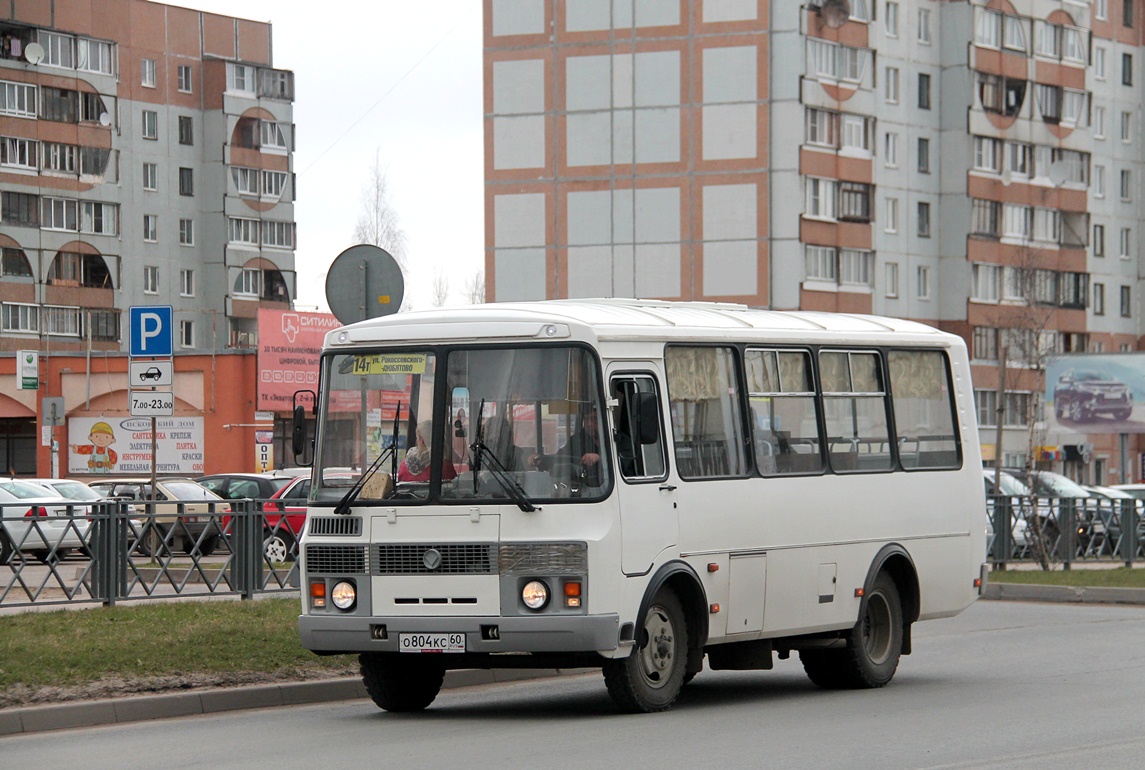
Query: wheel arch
[896, 562]
[682, 579]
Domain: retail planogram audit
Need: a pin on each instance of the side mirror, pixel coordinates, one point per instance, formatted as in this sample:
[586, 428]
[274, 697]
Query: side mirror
[298, 431]
[648, 417]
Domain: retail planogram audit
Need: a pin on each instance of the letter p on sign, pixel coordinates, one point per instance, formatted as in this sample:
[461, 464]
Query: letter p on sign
[151, 331]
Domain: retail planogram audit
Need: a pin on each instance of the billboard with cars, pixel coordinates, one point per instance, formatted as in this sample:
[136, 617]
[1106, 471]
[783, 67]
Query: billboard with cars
[1096, 393]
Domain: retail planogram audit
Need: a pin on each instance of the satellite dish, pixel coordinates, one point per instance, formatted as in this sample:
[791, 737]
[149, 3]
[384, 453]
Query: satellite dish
[1059, 172]
[34, 53]
[364, 282]
[835, 13]
[104, 119]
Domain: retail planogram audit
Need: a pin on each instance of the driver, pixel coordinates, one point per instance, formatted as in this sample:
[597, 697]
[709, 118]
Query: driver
[582, 449]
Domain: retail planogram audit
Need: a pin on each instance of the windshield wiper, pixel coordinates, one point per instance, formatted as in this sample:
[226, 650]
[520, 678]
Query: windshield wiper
[343, 506]
[499, 472]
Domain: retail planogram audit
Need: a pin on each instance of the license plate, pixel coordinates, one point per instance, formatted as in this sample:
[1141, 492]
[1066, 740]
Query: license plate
[431, 642]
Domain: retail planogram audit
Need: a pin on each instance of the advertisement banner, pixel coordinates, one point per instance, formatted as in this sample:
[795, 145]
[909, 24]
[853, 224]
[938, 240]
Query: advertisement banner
[1096, 393]
[122, 445]
[288, 347]
[264, 450]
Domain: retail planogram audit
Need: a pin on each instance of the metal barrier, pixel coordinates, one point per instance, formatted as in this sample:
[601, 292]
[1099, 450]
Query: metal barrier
[1064, 530]
[115, 552]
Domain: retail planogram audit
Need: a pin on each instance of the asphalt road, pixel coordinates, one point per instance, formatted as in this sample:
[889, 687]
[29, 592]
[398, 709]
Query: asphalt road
[1005, 685]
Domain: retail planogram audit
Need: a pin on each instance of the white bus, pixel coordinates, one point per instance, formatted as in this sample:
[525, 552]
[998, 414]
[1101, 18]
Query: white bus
[637, 486]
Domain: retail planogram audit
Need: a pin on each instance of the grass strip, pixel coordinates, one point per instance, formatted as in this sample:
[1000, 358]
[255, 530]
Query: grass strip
[1117, 577]
[76, 647]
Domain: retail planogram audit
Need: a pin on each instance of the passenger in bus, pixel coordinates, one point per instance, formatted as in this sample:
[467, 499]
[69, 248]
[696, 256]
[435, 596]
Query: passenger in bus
[581, 450]
[415, 466]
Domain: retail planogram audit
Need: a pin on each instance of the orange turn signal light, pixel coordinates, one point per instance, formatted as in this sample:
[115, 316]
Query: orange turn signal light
[859, 593]
[318, 593]
[572, 588]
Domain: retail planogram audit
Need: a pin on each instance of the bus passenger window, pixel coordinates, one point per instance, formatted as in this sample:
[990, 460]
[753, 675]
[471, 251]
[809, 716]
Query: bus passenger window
[924, 411]
[854, 403]
[637, 460]
[705, 404]
[785, 428]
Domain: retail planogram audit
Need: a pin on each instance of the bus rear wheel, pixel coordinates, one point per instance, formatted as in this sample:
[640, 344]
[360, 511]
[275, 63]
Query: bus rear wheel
[411, 686]
[873, 648]
[650, 678]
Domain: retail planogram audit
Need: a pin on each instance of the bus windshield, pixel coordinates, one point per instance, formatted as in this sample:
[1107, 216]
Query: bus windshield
[506, 424]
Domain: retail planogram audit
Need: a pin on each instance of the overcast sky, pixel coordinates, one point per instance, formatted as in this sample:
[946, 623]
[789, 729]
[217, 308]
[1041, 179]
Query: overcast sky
[394, 79]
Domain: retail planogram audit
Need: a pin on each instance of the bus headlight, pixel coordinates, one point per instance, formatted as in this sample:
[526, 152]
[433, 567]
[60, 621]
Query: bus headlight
[344, 595]
[535, 595]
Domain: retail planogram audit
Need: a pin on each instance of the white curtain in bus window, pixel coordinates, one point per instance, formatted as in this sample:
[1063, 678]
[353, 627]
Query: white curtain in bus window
[785, 431]
[854, 405]
[704, 399]
[924, 411]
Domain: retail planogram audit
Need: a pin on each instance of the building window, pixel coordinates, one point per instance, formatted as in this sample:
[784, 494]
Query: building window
[1099, 299]
[856, 267]
[150, 279]
[147, 67]
[186, 181]
[924, 26]
[891, 19]
[17, 99]
[187, 334]
[186, 130]
[243, 231]
[1126, 303]
[249, 282]
[186, 232]
[1125, 237]
[985, 343]
[240, 78]
[855, 201]
[986, 283]
[819, 262]
[1127, 13]
[99, 218]
[891, 215]
[21, 318]
[1099, 181]
[273, 136]
[1101, 9]
[986, 218]
[273, 183]
[19, 209]
[856, 134]
[923, 91]
[151, 176]
[19, 153]
[60, 214]
[150, 124]
[59, 50]
[1099, 240]
[1098, 122]
[891, 277]
[186, 283]
[891, 149]
[1099, 63]
[923, 282]
[60, 157]
[93, 56]
[1126, 186]
[151, 228]
[245, 179]
[184, 78]
[1126, 69]
[892, 85]
[278, 234]
[923, 220]
[820, 198]
[1126, 127]
[923, 155]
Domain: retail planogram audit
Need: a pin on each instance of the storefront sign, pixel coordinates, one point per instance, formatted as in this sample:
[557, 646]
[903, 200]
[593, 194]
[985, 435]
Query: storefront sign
[119, 445]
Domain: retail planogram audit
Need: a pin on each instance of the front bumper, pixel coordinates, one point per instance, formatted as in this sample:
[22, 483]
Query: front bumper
[557, 634]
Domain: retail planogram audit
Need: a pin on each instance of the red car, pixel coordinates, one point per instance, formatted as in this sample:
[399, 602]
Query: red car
[285, 515]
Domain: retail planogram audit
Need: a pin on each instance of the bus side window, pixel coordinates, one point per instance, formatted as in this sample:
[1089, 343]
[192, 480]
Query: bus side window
[637, 460]
[784, 423]
[707, 424]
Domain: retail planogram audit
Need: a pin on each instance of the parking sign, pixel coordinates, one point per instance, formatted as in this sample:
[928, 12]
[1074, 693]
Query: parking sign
[151, 331]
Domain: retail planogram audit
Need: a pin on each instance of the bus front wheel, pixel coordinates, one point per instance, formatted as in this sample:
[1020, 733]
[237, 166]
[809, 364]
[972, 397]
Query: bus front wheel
[651, 677]
[873, 648]
[412, 686]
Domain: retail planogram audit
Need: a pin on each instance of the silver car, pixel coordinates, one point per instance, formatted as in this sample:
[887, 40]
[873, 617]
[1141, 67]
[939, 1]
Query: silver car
[32, 520]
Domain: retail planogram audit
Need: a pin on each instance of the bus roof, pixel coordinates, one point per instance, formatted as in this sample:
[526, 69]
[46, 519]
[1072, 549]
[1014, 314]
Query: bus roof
[628, 319]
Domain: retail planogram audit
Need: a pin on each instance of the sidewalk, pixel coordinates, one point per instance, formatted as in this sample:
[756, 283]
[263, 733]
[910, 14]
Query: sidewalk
[61, 716]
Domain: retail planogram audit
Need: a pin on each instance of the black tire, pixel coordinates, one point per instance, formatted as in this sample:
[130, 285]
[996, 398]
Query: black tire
[650, 678]
[277, 547]
[410, 685]
[151, 541]
[6, 549]
[47, 557]
[206, 548]
[873, 649]
[1078, 412]
[1122, 414]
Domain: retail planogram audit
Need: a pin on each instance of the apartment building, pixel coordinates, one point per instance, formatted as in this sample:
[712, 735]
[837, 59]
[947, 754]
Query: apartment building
[971, 164]
[145, 159]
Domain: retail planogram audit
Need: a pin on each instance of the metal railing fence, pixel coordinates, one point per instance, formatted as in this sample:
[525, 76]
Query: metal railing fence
[1064, 530]
[114, 552]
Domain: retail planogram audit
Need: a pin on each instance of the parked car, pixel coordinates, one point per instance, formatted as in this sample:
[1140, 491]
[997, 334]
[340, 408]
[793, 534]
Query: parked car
[285, 514]
[57, 529]
[1137, 490]
[1051, 490]
[1110, 504]
[1082, 394]
[187, 513]
[1021, 500]
[253, 486]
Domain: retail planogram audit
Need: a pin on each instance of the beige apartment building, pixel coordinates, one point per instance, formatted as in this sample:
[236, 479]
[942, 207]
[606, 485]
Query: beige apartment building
[971, 164]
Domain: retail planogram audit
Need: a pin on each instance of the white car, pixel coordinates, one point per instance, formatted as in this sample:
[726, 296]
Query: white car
[1020, 499]
[32, 520]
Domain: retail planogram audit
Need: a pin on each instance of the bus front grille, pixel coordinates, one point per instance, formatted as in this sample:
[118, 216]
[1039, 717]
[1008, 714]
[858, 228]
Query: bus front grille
[435, 559]
[343, 526]
[336, 559]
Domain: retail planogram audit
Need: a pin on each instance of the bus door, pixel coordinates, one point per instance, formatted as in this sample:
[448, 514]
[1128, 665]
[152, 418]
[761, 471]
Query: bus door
[648, 518]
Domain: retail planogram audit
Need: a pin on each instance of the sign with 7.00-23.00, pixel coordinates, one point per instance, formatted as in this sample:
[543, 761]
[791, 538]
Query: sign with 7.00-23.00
[152, 403]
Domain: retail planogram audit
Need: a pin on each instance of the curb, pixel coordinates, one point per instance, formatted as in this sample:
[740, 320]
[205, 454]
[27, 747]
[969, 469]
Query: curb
[63, 716]
[1063, 594]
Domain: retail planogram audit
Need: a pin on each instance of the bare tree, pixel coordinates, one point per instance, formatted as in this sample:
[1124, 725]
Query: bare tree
[475, 288]
[378, 221]
[440, 291]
